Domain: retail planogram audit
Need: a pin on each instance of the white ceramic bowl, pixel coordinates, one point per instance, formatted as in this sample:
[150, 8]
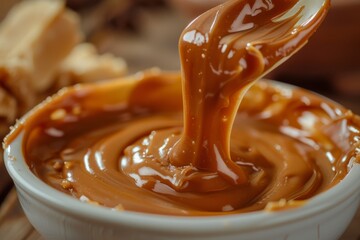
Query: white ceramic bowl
[59, 216]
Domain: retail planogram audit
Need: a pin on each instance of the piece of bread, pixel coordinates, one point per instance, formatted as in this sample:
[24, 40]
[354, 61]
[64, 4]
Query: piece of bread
[35, 37]
[84, 64]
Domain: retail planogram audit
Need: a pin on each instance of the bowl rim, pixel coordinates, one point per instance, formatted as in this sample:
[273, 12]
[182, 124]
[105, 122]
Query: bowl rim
[26, 180]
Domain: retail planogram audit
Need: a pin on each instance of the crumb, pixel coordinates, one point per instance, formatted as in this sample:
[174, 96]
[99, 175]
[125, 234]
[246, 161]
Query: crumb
[58, 114]
[119, 207]
[283, 204]
[66, 184]
[85, 199]
[68, 165]
[58, 165]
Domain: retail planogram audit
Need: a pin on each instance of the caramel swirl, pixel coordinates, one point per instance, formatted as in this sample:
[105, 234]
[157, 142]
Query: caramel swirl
[297, 143]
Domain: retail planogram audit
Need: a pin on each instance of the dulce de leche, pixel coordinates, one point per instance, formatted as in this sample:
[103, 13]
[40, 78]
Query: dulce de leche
[208, 141]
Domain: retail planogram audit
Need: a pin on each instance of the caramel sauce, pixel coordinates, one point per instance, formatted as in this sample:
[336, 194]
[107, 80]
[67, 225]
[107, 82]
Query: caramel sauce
[180, 145]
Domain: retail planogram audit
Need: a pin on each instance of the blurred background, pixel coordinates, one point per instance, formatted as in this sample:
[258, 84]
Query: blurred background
[145, 33]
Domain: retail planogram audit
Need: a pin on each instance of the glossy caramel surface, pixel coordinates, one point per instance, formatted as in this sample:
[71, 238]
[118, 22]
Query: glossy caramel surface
[292, 144]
